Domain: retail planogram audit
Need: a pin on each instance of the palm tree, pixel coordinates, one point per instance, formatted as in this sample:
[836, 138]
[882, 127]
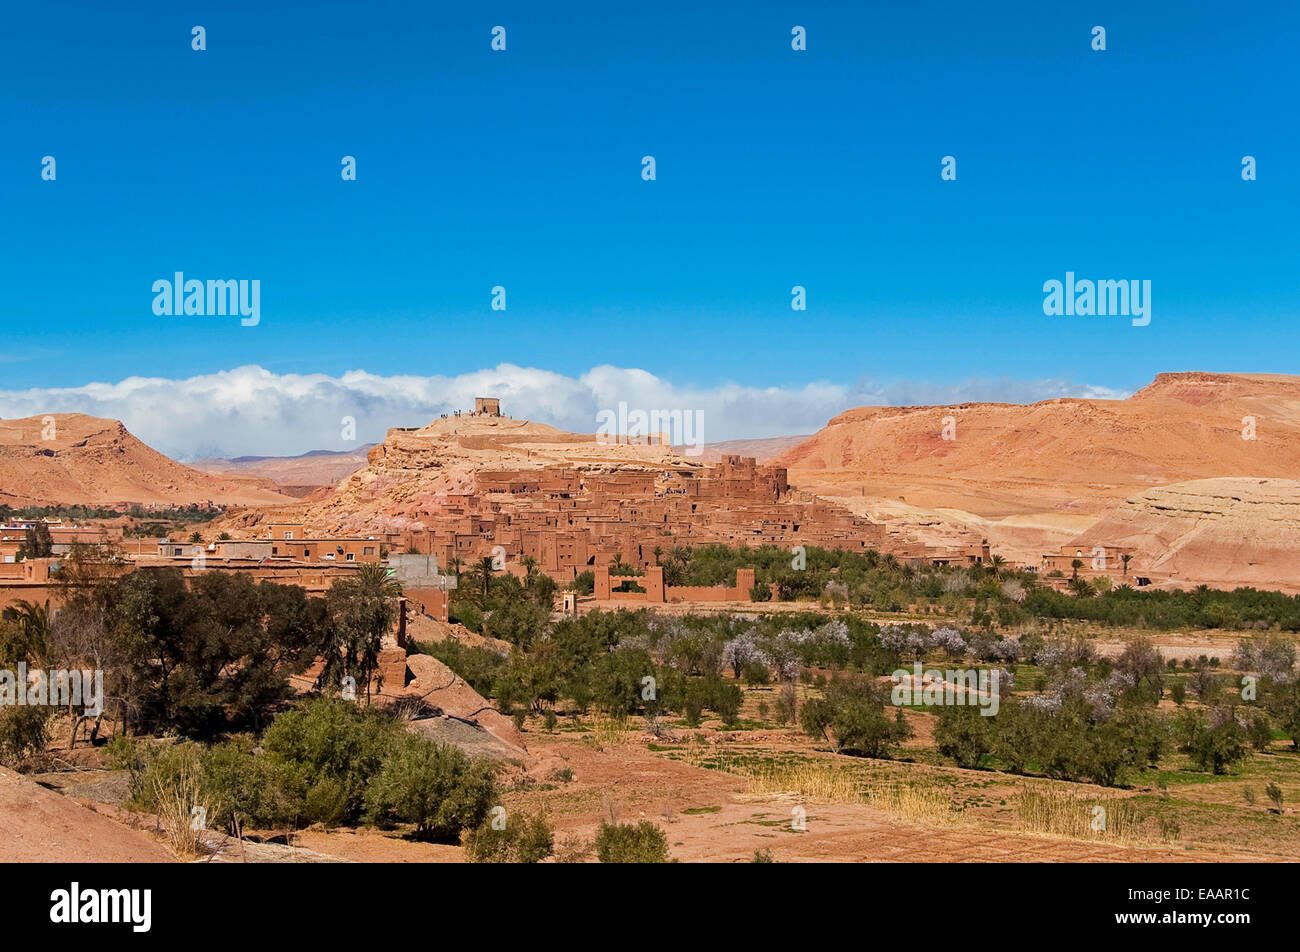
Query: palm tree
[375, 580]
[1126, 558]
[1076, 564]
[483, 569]
[362, 610]
[34, 624]
[455, 565]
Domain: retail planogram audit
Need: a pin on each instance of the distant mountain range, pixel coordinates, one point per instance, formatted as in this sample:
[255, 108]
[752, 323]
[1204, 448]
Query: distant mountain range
[1195, 472]
[294, 475]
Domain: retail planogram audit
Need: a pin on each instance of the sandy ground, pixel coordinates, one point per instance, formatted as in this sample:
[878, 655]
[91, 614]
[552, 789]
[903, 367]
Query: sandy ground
[40, 826]
[635, 783]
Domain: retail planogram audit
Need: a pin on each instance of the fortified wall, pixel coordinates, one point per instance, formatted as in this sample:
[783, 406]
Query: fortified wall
[610, 588]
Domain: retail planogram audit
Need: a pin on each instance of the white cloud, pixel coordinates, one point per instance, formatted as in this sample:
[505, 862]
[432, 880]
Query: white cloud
[251, 411]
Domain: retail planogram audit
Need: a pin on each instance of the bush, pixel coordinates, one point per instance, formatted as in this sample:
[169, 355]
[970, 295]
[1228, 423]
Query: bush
[756, 673]
[1214, 744]
[477, 665]
[1259, 730]
[335, 740]
[24, 732]
[852, 714]
[631, 843]
[964, 734]
[1284, 706]
[525, 838]
[518, 622]
[1274, 793]
[265, 791]
[432, 785]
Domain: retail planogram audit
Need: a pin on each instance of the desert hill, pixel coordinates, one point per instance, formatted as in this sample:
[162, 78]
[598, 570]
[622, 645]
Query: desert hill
[297, 475]
[91, 461]
[410, 475]
[1031, 477]
[1061, 454]
[1221, 532]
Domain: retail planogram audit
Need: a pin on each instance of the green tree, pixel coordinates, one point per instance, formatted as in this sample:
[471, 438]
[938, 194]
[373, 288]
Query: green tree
[37, 543]
[852, 716]
[433, 786]
[964, 734]
[1215, 742]
[361, 609]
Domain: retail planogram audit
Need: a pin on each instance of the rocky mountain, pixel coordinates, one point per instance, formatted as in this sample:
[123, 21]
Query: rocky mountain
[1221, 532]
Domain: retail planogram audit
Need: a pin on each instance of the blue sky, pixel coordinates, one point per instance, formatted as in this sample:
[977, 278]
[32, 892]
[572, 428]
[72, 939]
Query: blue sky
[775, 168]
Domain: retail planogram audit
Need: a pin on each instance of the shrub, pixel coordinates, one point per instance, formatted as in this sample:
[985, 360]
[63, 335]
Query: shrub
[432, 785]
[332, 739]
[964, 734]
[525, 838]
[852, 714]
[725, 697]
[161, 766]
[1214, 744]
[265, 791]
[631, 843]
[756, 673]
[477, 665]
[24, 732]
[1259, 730]
[468, 614]
[1274, 793]
[518, 622]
